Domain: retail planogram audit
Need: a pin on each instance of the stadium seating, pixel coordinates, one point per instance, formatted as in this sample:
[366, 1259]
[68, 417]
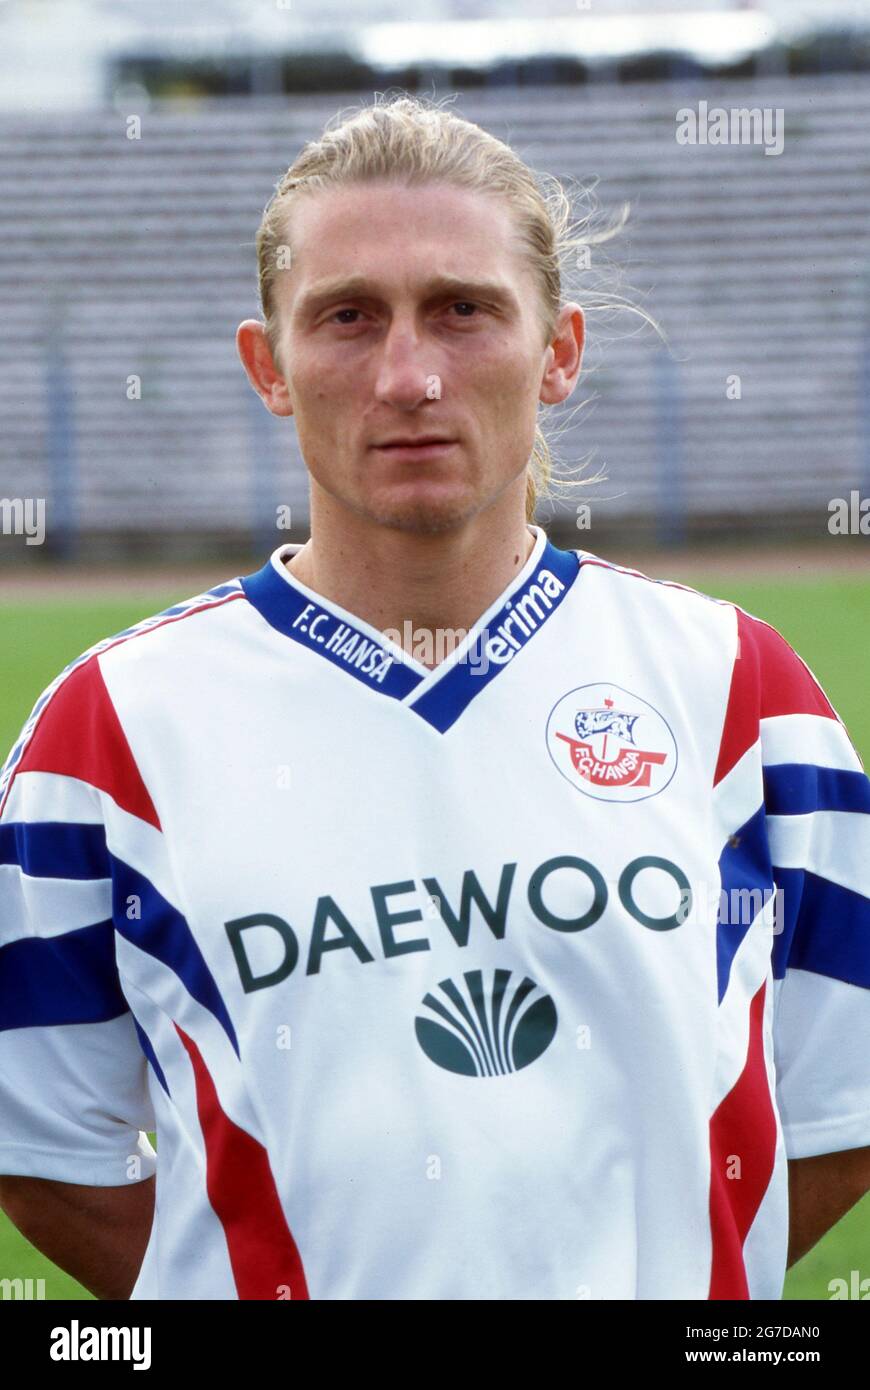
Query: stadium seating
[123, 258]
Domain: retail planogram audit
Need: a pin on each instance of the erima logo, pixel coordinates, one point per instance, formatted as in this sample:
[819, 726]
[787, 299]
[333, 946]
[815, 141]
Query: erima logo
[76, 1343]
[475, 1030]
[524, 617]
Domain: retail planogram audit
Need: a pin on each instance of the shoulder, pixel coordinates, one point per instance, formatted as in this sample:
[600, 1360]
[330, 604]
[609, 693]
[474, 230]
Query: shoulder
[769, 680]
[693, 632]
[767, 658]
[644, 593]
[73, 722]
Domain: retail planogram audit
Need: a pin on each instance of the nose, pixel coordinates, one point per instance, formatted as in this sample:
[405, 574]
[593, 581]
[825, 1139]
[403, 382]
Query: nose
[406, 372]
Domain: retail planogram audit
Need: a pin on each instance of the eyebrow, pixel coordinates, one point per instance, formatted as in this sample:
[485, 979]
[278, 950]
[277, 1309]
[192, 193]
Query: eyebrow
[358, 287]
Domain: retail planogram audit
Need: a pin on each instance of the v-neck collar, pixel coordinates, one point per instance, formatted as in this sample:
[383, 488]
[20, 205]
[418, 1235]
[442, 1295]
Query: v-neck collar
[440, 694]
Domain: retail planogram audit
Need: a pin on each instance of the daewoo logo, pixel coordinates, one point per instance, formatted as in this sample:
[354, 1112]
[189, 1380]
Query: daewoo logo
[402, 915]
[475, 1029]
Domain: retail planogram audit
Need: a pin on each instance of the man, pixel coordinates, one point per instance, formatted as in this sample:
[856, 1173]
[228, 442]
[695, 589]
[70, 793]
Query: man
[536, 967]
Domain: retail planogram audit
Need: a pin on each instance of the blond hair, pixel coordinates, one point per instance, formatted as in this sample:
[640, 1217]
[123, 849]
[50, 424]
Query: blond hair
[415, 141]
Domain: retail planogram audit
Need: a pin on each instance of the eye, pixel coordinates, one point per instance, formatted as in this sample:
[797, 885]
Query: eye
[344, 311]
[464, 304]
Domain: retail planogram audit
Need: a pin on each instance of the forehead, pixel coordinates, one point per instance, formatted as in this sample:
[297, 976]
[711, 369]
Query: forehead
[400, 232]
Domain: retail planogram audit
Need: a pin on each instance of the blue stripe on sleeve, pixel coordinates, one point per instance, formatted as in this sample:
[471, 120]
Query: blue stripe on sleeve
[147, 1048]
[161, 930]
[55, 849]
[746, 884]
[795, 789]
[48, 981]
[826, 928]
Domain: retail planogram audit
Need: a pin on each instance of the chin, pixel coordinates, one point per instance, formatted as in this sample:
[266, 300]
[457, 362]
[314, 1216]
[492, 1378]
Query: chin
[425, 516]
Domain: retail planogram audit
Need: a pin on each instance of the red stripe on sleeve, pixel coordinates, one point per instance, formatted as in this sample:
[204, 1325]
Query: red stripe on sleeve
[79, 735]
[742, 1129]
[768, 679]
[242, 1191]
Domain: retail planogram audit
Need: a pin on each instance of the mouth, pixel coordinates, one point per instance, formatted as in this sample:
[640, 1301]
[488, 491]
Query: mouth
[425, 446]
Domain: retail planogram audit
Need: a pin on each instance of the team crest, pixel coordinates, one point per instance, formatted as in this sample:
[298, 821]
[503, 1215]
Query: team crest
[610, 744]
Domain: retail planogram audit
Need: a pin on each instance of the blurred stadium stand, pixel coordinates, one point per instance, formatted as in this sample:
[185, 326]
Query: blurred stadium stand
[127, 257]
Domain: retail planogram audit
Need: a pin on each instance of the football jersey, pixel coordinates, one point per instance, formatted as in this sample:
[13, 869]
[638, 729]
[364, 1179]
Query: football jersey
[521, 977]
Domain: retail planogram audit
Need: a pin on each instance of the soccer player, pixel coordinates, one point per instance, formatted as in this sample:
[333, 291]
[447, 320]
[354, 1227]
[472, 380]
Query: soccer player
[471, 918]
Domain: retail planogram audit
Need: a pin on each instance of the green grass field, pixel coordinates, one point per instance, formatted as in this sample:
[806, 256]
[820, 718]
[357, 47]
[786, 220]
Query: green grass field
[827, 621]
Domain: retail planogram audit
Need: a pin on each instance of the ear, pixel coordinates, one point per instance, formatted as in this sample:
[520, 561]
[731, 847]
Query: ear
[563, 356]
[262, 371]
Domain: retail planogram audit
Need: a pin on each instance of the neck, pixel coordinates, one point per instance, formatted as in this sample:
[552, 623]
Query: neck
[426, 590]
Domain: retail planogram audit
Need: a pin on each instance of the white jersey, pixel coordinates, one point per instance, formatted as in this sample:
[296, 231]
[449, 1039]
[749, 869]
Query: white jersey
[518, 978]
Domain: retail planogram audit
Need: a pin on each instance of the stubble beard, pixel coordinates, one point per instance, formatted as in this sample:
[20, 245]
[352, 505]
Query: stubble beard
[421, 518]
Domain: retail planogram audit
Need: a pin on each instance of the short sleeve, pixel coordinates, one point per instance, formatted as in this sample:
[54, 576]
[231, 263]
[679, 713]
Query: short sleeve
[817, 809]
[74, 1097]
